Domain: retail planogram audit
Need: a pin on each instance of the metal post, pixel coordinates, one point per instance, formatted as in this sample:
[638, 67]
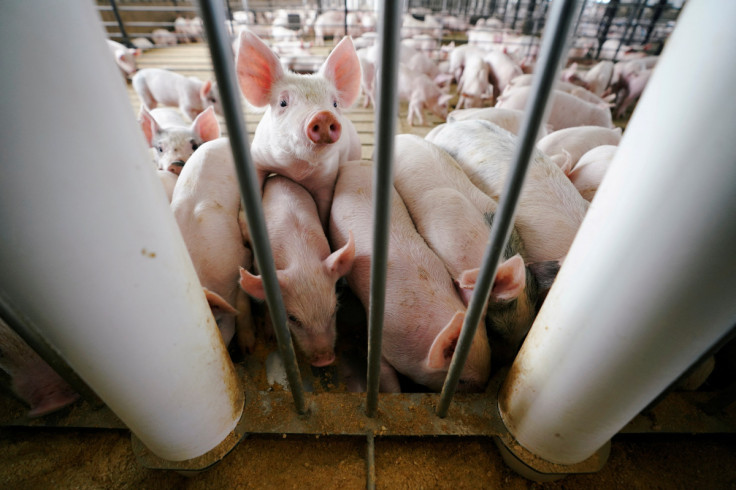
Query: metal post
[223, 66]
[647, 286]
[655, 17]
[605, 24]
[385, 129]
[123, 33]
[552, 50]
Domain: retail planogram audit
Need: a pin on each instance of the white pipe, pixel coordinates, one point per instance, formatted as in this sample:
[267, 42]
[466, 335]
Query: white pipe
[90, 251]
[648, 285]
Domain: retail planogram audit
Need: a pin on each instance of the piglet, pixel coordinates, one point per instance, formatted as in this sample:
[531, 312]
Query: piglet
[421, 93]
[423, 312]
[31, 378]
[566, 146]
[589, 171]
[124, 57]
[304, 134]
[305, 268]
[156, 86]
[173, 139]
[550, 209]
[508, 119]
[206, 205]
[567, 110]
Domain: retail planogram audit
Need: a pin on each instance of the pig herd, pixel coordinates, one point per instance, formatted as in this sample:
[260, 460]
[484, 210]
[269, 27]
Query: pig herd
[317, 197]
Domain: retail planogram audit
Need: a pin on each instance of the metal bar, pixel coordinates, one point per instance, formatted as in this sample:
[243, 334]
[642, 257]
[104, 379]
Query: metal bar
[370, 462]
[115, 12]
[152, 8]
[552, 50]
[385, 129]
[223, 66]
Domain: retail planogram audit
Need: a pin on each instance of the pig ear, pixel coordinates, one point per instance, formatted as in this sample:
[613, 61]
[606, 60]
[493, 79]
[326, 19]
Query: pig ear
[253, 285]
[342, 68]
[340, 262]
[468, 278]
[258, 69]
[217, 301]
[443, 347]
[510, 279]
[205, 125]
[206, 87]
[148, 124]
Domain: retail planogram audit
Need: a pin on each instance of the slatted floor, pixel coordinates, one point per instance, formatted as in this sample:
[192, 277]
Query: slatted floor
[194, 60]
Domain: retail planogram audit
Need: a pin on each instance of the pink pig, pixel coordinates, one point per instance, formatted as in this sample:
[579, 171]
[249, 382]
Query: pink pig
[567, 110]
[421, 93]
[157, 86]
[589, 171]
[550, 209]
[423, 313]
[31, 378]
[306, 270]
[304, 134]
[508, 119]
[206, 205]
[172, 138]
[566, 146]
[124, 57]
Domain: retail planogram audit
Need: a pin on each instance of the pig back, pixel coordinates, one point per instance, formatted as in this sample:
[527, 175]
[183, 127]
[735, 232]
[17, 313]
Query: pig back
[550, 209]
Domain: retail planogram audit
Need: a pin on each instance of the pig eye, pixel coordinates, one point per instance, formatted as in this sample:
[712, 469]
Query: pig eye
[334, 104]
[295, 321]
[283, 103]
[160, 148]
[194, 145]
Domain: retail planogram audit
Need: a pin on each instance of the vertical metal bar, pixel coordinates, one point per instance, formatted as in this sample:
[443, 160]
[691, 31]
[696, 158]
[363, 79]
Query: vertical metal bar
[123, 33]
[655, 17]
[552, 50]
[223, 66]
[385, 129]
[629, 22]
[345, 18]
[370, 462]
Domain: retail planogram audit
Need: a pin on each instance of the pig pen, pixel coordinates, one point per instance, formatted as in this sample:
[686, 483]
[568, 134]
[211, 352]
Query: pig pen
[331, 446]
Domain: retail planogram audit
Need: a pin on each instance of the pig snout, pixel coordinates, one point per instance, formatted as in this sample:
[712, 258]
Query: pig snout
[324, 128]
[176, 167]
[321, 359]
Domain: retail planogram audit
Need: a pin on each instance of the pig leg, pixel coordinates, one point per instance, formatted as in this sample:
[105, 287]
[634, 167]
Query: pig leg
[388, 381]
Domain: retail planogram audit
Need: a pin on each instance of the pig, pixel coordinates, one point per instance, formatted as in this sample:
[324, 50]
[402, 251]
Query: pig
[303, 134]
[567, 110]
[172, 139]
[206, 205]
[508, 119]
[124, 57]
[421, 93]
[423, 312]
[163, 37]
[631, 89]
[189, 30]
[589, 171]
[474, 87]
[367, 77]
[330, 23]
[306, 270]
[599, 77]
[550, 209]
[503, 68]
[454, 218]
[566, 146]
[158, 86]
[458, 57]
[31, 378]
[570, 88]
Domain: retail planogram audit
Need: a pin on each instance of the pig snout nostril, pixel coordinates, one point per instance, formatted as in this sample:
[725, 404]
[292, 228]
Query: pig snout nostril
[323, 128]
